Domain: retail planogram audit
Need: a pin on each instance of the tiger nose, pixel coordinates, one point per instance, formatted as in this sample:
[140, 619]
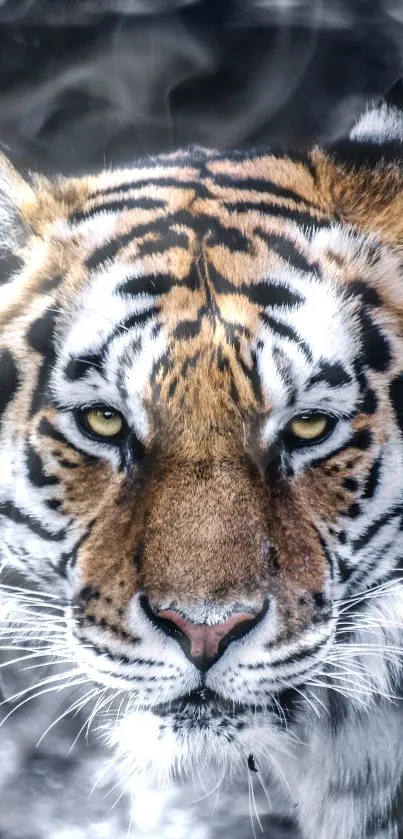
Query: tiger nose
[202, 643]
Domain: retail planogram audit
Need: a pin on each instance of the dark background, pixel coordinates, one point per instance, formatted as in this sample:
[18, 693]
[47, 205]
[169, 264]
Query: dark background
[85, 83]
[88, 83]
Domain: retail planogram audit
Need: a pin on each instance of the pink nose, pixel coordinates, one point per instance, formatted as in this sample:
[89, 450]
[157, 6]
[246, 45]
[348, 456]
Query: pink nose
[207, 643]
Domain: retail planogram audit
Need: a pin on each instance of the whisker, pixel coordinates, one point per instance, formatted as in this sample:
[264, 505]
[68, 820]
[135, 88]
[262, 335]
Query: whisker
[54, 688]
[254, 803]
[75, 706]
[26, 591]
[250, 806]
[57, 677]
[86, 722]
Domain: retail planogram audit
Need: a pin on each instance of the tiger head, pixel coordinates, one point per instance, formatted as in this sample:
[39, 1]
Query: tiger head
[201, 427]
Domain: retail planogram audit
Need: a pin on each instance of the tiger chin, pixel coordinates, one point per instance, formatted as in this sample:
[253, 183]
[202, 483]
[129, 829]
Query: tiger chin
[201, 460]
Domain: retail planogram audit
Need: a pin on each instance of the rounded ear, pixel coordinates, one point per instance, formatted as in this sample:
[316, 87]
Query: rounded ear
[381, 127]
[361, 176]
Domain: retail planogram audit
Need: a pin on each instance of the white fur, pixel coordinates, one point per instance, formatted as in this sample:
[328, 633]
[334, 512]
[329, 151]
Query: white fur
[379, 125]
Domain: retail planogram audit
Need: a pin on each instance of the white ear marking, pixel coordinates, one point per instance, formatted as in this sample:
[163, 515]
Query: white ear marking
[383, 124]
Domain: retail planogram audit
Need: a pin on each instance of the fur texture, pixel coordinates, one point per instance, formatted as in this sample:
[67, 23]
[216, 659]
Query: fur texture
[209, 299]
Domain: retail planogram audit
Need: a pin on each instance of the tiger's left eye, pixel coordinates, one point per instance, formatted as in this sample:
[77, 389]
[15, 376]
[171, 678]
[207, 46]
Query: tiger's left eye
[309, 428]
[101, 422]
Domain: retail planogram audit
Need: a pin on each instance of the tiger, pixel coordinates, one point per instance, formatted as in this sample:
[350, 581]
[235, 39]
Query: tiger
[201, 458]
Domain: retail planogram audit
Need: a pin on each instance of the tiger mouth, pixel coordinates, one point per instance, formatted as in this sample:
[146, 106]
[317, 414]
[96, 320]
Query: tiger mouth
[199, 703]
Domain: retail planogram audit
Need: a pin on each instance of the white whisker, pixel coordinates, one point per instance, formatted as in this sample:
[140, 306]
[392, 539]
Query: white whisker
[75, 706]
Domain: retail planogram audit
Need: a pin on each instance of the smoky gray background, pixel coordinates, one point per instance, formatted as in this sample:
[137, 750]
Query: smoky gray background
[92, 83]
[87, 83]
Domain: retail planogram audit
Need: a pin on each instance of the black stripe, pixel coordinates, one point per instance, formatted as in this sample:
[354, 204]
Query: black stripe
[41, 332]
[360, 575]
[119, 205]
[69, 558]
[133, 321]
[252, 374]
[121, 658]
[369, 402]
[344, 570]
[191, 361]
[361, 439]
[332, 375]
[261, 185]
[159, 244]
[40, 337]
[68, 464]
[10, 511]
[77, 368]
[41, 392]
[368, 295]
[161, 366]
[288, 251]
[283, 330]
[36, 472]
[359, 154]
[371, 484]
[187, 330]
[301, 218]
[263, 293]
[326, 552]
[155, 284]
[396, 398]
[337, 707]
[48, 430]
[312, 651]
[109, 250]
[286, 371]
[229, 237]
[9, 379]
[53, 503]
[144, 183]
[376, 525]
[207, 225]
[376, 351]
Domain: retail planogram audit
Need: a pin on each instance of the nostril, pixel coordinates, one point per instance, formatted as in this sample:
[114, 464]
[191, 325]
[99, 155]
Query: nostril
[204, 643]
[207, 642]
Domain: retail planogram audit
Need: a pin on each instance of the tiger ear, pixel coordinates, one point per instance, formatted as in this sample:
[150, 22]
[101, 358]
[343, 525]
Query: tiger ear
[381, 127]
[362, 175]
[17, 200]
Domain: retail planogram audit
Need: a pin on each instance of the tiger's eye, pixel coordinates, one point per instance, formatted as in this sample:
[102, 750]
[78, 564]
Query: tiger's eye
[309, 427]
[103, 422]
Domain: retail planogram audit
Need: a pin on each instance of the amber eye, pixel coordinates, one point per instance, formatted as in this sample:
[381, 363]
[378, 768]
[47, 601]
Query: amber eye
[101, 422]
[310, 428]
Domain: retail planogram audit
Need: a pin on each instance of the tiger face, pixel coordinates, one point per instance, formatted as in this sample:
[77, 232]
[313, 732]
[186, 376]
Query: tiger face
[201, 443]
